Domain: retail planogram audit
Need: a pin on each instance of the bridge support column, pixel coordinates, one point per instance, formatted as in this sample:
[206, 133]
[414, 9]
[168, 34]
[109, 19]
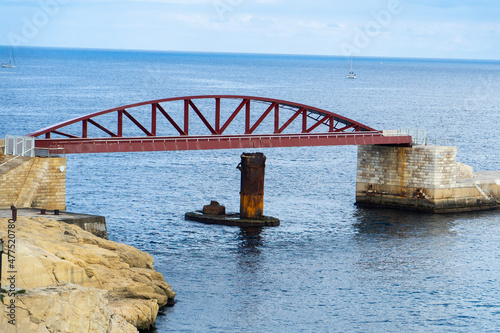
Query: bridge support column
[252, 169]
[424, 178]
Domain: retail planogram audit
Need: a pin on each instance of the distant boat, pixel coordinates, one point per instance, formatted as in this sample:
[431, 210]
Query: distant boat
[351, 74]
[12, 60]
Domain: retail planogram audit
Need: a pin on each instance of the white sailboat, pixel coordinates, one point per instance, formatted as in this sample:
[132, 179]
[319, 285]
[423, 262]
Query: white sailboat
[351, 74]
[12, 60]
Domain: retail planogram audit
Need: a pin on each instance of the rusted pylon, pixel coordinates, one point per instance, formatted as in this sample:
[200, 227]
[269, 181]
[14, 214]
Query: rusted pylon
[251, 214]
[252, 169]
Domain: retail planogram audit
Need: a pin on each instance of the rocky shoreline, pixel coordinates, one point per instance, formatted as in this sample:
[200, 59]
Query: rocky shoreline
[75, 281]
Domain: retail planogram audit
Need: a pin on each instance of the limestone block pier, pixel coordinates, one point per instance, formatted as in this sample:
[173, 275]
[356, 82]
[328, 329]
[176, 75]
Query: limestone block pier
[426, 178]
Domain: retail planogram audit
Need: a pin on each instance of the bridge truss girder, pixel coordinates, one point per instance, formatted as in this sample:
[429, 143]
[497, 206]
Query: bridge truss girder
[339, 130]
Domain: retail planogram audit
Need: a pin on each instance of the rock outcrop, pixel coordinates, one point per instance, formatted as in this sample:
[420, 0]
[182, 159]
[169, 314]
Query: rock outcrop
[60, 264]
[65, 308]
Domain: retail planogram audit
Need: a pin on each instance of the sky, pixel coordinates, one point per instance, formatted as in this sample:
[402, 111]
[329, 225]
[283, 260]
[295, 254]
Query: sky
[456, 29]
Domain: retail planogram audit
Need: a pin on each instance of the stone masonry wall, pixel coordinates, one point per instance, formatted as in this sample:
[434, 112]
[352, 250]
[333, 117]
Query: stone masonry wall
[419, 177]
[12, 177]
[422, 166]
[33, 182]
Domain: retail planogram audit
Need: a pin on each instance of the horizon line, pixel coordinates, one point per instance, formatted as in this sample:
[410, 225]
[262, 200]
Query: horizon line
[243, 53]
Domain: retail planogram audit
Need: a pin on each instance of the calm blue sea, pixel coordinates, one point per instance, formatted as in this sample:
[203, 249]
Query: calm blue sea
[331, 266]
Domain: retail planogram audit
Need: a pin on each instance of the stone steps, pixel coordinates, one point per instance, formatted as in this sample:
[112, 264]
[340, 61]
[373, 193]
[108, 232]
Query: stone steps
[30, 188]
[11, 163]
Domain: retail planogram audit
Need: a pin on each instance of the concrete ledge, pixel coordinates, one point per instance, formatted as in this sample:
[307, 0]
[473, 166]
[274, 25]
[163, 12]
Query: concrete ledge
[452, 205]
[92, 223]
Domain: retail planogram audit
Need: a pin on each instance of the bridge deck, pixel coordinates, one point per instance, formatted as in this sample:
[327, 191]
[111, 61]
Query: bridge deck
[113, 145]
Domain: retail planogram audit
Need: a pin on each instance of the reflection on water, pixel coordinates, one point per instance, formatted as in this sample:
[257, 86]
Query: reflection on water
[249, 250]
[400, 223]
[250, 239]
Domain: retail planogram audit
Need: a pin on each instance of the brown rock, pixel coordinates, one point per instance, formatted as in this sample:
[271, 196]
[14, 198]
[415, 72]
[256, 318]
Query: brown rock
[214, 209]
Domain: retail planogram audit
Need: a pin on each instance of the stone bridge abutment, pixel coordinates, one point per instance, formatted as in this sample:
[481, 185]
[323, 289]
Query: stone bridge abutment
[422, 177]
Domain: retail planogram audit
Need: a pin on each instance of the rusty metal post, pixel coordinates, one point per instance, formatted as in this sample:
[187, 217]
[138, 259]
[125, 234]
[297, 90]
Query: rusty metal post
[252, 169]
[14, 213]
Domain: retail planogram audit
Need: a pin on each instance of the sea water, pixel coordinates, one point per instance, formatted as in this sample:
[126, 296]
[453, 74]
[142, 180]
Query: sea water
[331, 266]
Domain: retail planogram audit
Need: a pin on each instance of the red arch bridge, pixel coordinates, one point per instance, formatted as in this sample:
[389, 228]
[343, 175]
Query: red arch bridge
[208, 122]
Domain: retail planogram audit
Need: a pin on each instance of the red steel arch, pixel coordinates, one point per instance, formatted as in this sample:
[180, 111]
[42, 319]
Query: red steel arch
[338, 130]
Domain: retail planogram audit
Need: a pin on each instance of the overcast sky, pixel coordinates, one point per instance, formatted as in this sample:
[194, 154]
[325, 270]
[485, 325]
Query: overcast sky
[390, 28]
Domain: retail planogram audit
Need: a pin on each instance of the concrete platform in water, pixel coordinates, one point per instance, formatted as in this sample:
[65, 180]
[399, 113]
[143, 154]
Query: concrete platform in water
[92, 223]
[232, 219]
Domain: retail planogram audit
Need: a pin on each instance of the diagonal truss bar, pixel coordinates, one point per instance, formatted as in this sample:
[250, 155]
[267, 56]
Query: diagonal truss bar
[235, 113]
[102, 128]
[261, 119]
[66, 134]
[345, 128]
[318, 123]
[292, 118]
[162, 110]
[137, 123]
[203, 119]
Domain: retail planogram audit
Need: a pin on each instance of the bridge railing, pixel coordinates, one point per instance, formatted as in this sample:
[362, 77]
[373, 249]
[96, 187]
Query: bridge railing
[420, 137]
[19, 145]
[440, 141]
[24, 146]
